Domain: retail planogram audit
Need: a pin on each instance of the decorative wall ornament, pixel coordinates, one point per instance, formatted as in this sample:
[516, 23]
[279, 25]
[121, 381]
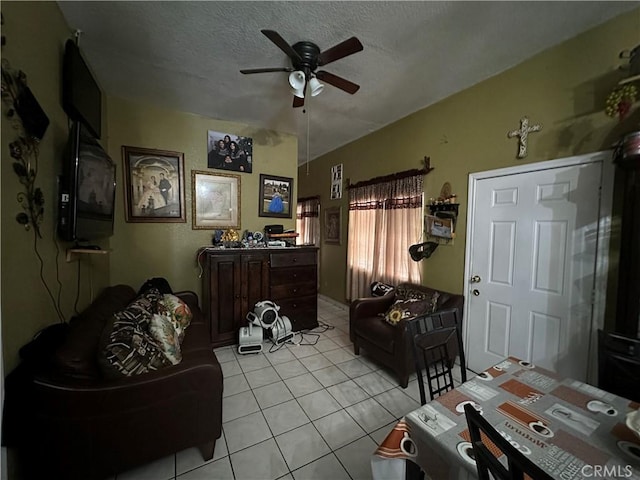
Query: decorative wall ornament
[620, 100]
[336, 182]
[30, 122]
[523, 133]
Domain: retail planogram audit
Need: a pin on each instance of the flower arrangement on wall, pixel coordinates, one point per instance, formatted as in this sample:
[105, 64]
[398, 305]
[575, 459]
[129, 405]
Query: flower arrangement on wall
[620, 100]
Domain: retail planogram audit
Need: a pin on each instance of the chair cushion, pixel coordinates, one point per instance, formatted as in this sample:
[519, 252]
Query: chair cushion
[411, 303]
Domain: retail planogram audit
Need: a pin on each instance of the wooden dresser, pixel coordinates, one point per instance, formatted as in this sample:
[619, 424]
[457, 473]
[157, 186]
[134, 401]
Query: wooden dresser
[234, 280]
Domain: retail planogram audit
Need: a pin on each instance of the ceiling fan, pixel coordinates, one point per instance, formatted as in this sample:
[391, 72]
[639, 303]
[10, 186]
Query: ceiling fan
[306, 57]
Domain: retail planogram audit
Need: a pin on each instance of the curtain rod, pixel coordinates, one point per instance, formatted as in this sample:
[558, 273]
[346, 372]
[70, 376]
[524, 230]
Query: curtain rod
[304, 199]
[389, 178]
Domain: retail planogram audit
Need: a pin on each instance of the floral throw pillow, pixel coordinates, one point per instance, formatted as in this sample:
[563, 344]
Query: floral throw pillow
[412, 307]
[166, 336]
[176, 312]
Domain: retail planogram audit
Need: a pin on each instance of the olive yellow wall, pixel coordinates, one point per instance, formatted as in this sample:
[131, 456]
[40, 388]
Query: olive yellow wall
[563, 88]
[145, 250]
[35, 34]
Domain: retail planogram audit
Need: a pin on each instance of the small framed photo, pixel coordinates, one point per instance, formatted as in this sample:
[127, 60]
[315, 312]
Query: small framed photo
[275, 196]
[439, 227]
[228, 151]
[153, 185]
[216, 200]
[332, 225]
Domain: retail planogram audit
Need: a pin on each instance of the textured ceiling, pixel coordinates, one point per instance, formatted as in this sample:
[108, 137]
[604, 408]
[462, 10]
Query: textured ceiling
[186, 56]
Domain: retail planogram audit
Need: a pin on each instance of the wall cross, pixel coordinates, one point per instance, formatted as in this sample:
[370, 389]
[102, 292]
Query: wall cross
[523, 134]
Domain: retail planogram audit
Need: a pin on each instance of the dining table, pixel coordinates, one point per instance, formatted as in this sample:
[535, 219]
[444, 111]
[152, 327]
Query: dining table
[571, 429]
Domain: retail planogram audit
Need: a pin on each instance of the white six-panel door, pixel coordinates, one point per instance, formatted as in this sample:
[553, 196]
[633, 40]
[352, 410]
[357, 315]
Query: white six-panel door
[531, 265]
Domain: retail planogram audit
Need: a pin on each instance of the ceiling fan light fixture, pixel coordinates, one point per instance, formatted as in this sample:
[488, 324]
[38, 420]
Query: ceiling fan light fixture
[315, 86]
[298, 92]
[296, 80]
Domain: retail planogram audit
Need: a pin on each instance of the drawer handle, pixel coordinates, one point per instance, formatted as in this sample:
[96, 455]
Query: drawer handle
[295, 290]
[295, 259]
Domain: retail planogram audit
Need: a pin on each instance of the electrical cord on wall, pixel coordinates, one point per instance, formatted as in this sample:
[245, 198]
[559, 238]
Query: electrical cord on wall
[57, 257]
[43, 280]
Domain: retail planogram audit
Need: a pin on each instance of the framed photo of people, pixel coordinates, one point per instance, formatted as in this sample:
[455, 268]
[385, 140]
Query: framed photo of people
[227, 151]
[275, 196]
[154, 185]
[216, 200]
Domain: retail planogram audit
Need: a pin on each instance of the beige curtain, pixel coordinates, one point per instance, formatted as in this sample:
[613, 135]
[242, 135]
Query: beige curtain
[385, 219]
[308, 221]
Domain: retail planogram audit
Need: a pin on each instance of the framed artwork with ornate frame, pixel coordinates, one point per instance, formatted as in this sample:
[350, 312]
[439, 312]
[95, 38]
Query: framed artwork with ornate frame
[275, 196]
[332, 225]
[215, 200]
[153, 185]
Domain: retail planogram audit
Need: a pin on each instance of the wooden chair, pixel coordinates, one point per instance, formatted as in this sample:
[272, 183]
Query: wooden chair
[619, 364]
[435, 339]
[486, 462]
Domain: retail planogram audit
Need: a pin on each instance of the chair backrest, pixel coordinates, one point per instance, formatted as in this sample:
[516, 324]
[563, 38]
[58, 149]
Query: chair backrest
[619, 364]
[518, 464]
[433, 338]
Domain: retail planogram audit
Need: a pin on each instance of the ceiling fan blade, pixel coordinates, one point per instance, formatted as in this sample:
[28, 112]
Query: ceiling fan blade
[336, 81]
[265, 70]
[282, 44]
[298, 102]
[341, 50]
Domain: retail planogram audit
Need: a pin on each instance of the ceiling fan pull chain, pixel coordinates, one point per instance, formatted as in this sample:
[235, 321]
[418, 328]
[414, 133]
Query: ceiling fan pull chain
[306, 112]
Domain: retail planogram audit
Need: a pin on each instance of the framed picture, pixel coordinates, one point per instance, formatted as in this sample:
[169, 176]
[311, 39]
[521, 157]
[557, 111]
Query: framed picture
[439, 227]
[227, 151]
[216, 200]
[153, 185]
[275, 196]
[332, 225]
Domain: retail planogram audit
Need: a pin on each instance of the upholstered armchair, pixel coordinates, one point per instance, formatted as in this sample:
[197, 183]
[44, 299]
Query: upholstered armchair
[390, 345]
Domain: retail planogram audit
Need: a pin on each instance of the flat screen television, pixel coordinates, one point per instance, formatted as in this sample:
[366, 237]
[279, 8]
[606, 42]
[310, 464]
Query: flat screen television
[87, 189]
[81, 96]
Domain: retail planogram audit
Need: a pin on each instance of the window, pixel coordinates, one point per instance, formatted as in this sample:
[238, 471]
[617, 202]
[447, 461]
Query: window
[308, 221]
[385, 219]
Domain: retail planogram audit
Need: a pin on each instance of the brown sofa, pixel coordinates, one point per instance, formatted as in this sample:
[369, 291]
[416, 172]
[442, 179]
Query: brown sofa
[76, 424]
[390, 344]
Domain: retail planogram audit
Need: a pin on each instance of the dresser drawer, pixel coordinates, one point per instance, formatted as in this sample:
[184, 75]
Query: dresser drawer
[292, 290]
[293, 275]
[303, 311]
[292, 259]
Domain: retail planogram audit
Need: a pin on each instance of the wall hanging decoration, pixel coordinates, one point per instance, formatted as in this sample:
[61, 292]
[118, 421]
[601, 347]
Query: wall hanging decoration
[620, 100]
[336, 182]
[523, 133]
[154, 185]
[227, 151]
[215, 200]
[332, 225]
[30, 123]
[275, 196]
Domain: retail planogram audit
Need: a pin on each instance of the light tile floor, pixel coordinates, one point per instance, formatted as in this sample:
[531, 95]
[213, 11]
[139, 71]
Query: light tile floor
[303, 412]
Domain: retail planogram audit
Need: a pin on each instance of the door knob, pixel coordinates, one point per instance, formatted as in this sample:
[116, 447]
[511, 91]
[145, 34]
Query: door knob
[476, 292]
[475, 279]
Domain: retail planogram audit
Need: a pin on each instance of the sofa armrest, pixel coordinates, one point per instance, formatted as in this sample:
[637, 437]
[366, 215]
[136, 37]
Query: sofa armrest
[199, 372]
[371, 306]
